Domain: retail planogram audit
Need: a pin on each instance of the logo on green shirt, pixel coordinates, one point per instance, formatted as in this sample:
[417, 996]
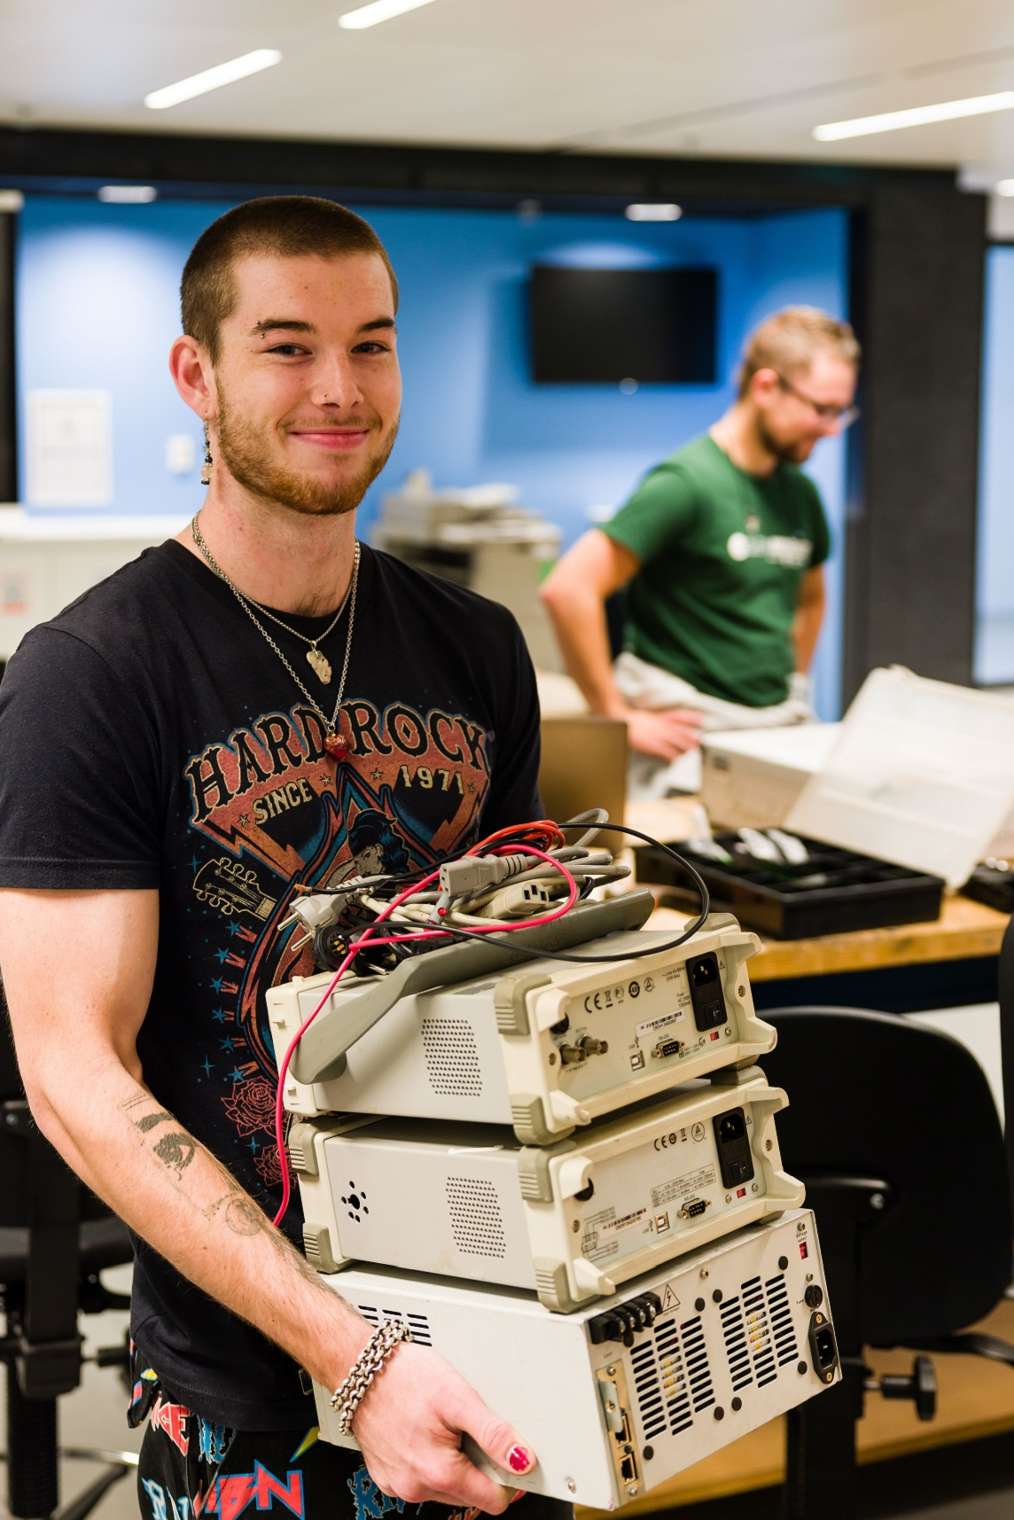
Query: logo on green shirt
[776, 548]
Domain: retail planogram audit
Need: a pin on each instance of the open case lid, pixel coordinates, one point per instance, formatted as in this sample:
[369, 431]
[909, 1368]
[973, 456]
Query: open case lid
[921, 774]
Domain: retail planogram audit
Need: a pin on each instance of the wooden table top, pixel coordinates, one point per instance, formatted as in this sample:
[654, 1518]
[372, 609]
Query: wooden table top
[964, 929]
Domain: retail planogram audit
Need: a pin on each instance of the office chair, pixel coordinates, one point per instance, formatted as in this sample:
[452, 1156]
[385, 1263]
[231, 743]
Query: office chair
[1005, 978]
[893, 1129]
[55, 1240]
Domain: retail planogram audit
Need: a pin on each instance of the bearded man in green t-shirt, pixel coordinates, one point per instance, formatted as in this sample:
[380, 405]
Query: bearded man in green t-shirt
[721, 549]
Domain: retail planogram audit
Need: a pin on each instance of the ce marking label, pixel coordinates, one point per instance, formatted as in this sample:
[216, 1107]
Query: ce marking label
[605, 997]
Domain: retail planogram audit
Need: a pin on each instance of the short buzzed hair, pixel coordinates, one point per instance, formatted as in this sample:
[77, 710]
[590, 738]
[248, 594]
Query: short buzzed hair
[788, 341]
[289, 226]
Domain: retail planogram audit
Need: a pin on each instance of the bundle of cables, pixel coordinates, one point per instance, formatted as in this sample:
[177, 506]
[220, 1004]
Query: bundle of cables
[518, 878]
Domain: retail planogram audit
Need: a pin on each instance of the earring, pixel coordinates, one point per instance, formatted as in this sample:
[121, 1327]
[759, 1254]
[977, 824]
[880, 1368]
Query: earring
[206, 465]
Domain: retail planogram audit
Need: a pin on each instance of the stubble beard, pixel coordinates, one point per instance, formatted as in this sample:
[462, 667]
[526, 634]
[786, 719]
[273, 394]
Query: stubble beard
[786, 453]
[242, 451]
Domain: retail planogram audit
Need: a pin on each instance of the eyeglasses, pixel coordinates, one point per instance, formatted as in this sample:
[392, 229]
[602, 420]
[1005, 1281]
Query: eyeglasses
[840, 416]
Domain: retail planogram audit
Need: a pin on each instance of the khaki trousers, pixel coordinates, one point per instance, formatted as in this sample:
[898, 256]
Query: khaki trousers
[648, 686]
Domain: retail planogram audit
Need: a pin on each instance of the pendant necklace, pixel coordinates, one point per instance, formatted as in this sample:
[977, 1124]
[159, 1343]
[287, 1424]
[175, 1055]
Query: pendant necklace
[335, 743]
[316, 658]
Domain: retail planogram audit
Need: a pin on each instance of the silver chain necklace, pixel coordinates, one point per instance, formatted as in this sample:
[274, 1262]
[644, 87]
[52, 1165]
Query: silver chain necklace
[335, 743]
[316, 658]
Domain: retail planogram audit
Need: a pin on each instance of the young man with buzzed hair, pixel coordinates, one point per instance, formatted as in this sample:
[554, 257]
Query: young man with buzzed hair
[720, 550]
[182, 749]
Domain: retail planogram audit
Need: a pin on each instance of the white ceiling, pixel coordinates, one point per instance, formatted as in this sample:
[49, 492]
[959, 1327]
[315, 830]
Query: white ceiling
[727, 78]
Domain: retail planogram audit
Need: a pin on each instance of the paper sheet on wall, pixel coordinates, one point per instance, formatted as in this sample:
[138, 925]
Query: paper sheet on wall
[70, 448]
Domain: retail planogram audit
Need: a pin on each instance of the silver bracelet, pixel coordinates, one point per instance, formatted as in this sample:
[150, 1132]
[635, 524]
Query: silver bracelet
[351, 1391]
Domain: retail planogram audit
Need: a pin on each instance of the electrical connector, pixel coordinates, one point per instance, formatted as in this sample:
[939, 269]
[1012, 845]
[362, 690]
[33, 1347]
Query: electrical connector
[520, 899]
[313, 912]
[470, 874]
[474, 873]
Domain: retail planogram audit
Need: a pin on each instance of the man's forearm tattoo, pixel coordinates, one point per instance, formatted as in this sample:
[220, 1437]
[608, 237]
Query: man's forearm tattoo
[235, 1209]
[176, 1151]
[242, 1216]
[238, 1213]
[149, 1121]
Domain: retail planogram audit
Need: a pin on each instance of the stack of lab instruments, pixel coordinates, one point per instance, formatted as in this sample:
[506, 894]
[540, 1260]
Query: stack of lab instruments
[566, 1179]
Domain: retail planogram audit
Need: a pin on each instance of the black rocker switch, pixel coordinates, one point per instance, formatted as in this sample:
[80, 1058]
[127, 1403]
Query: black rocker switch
[734, 1156]
[706, 992]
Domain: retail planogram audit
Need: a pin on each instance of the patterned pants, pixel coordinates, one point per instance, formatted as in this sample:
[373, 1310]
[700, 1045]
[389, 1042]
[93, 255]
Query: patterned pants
[190, 1467]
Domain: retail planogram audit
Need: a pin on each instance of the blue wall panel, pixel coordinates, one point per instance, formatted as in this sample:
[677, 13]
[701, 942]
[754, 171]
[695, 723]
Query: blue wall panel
[97, 307]
[996, 487]
[994, 645]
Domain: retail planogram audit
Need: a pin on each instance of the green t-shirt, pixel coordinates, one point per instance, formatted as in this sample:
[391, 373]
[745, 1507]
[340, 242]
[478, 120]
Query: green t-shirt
[722, 554]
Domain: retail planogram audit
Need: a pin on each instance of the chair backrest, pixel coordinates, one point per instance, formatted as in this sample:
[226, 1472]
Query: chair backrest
[10, 1081]
[878, 1095]
[49, 1261]
[18, 1158]
[1006, 990]
[15, 1199]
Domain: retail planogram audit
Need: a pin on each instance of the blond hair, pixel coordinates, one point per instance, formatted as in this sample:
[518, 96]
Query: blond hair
[788, 341]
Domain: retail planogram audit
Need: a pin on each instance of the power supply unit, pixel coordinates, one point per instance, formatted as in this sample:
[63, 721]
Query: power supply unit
[617, 1398]
[570, 1220]
[545, 1048]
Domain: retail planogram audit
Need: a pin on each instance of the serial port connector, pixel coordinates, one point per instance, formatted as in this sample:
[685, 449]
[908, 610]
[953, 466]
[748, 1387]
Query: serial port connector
[694, 1208]
[667, 1048]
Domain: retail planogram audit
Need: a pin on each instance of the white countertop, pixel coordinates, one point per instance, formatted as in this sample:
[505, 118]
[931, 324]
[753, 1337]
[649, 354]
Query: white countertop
[19, 526]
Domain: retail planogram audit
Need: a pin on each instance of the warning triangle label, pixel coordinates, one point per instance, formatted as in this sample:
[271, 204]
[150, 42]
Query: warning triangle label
[669, 1299]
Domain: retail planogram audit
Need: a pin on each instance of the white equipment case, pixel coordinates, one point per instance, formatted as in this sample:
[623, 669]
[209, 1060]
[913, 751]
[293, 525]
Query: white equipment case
[918, 773]
[571, 1220]
[544, 1048]
[619, 1397]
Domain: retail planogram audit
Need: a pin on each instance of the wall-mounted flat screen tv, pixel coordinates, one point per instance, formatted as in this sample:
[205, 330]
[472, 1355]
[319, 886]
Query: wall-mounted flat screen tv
[649, 325]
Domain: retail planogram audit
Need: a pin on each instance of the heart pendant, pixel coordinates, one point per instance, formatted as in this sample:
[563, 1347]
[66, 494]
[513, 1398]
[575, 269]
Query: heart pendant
[336, 745]
[320, 665]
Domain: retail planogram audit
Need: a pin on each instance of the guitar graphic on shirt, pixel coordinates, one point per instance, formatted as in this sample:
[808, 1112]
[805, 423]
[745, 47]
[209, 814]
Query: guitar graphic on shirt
[232, 888]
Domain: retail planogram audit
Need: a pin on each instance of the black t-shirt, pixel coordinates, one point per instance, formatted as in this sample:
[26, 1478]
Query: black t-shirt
[150, 738]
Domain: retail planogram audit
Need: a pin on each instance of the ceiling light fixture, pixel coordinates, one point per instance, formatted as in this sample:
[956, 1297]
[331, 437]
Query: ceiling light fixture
[1004, 187]
[918, 116]
[127, 195]
[662, 211]
[212, 79]
[378, 11]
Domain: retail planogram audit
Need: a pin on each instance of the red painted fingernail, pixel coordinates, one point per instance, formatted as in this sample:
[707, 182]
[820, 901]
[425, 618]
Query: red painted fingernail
[519, 1459]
